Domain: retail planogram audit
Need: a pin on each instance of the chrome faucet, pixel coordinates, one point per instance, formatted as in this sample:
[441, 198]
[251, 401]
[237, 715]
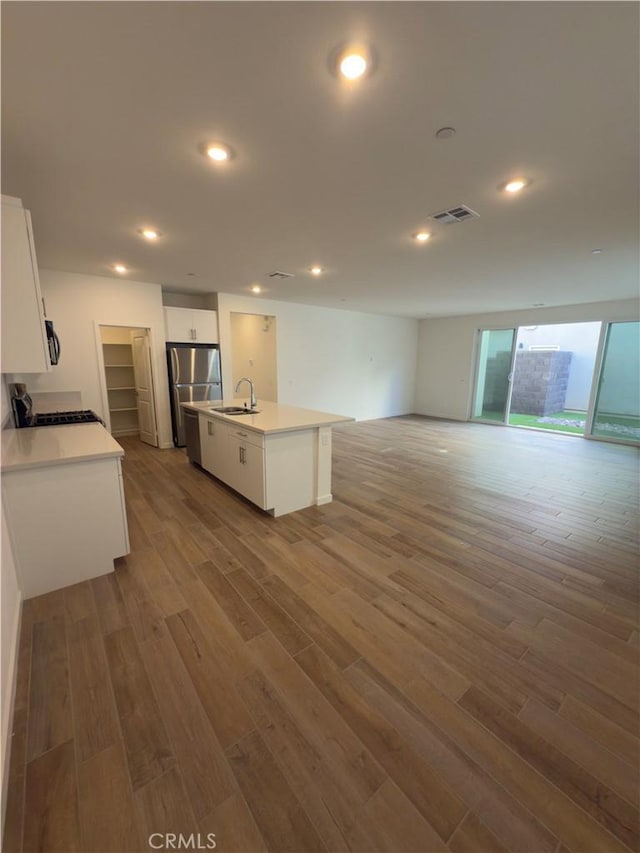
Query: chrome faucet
[253, 400]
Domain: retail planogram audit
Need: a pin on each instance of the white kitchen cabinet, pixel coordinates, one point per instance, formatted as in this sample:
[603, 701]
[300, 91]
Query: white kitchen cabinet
[234, 456]
[278, 457]
[246, 464]
[78, 511]
[191, 325]
[214, 452]
[24, 338]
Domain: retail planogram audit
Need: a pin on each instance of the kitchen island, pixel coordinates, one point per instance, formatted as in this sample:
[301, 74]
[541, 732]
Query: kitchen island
[64, 504]
[279, 458]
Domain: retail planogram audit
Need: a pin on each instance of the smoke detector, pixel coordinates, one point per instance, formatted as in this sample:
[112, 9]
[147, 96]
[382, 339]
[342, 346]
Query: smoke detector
[454, 214]
[280, 274]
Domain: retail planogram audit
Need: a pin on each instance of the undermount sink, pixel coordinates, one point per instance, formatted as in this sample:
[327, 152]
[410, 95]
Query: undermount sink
[234, 410]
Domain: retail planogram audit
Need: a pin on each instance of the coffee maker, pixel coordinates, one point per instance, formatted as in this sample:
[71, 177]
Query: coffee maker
[21, 404]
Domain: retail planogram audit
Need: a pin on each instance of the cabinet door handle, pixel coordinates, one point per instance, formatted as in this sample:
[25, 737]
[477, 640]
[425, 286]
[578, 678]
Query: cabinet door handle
[44, 307]
[194, 336]
[210, 429]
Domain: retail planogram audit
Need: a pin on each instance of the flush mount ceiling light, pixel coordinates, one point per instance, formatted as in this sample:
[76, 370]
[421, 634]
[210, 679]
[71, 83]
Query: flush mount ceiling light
[218, 152]
[352, 61]
[316, 270]
[120, 268]
[445, 133]
[256, 289]
[514, 185]
[353, 65]
[421, 236]
[149, 234]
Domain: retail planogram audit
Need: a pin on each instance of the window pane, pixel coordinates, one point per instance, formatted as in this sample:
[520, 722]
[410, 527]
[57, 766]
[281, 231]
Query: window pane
[617, 411]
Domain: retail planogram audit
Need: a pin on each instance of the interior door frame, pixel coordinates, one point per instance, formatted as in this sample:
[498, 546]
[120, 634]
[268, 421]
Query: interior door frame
[476, 365]
[102, 375]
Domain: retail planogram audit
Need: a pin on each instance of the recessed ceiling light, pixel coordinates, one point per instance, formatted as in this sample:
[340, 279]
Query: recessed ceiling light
[120, 268]
[256, 289]
[353, 64]
[316, 270]
[538, 304]
[218, 152]
[150, 233]
[596, 251]
[422, 236]
[515, 185]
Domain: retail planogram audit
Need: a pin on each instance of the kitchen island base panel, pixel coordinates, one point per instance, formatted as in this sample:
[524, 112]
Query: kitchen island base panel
[280, 472]
[323, 451]
[278, 457]
[290, 471]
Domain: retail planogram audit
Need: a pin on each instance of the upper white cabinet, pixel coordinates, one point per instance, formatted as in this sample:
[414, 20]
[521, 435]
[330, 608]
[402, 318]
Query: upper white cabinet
[191, 325]
[24, 338]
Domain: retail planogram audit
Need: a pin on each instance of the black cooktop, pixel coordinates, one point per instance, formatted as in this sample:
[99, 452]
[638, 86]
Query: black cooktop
[81, 416]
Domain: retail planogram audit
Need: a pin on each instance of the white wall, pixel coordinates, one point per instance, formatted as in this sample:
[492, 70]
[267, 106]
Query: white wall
[446, 348]
[10, 609]
[343, 362]
[253, 353]
[76, 303]
[6, 419]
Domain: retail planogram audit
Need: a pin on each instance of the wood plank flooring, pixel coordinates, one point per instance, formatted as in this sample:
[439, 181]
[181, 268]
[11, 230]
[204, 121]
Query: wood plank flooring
[443, 659]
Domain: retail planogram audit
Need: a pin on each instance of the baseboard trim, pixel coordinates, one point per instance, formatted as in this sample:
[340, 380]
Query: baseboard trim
[7, 711]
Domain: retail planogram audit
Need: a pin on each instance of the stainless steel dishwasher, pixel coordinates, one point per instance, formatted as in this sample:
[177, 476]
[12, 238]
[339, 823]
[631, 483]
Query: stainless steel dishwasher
[192, 436]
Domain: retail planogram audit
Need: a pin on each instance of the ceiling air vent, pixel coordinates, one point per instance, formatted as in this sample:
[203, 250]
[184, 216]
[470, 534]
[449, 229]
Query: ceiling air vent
[454, 214]
[280, 274]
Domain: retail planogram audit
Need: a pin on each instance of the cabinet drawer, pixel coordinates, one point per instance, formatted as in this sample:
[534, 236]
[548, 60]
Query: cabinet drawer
[247, 436]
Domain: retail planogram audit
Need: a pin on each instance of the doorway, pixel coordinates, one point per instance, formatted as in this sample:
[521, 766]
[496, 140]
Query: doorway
[128, 387]
[253, 353]
[572, 378]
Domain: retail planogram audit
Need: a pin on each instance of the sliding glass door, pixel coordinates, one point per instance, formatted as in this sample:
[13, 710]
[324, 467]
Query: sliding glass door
[493, 376]
[616, 412]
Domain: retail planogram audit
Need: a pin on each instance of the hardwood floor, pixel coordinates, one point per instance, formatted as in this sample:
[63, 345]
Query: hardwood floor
[443, 659]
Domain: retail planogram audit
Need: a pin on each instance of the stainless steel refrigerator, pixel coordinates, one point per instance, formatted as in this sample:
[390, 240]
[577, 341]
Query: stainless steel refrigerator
[194, 375]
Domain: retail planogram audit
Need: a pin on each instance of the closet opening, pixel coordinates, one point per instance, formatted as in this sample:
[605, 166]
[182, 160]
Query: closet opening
[128, 384]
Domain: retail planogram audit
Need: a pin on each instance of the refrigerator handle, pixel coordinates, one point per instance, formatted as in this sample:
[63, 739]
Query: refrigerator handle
[178, 408]
[174, 365]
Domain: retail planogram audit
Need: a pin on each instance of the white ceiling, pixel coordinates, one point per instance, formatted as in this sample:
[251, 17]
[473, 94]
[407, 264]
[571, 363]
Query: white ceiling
[105, 106]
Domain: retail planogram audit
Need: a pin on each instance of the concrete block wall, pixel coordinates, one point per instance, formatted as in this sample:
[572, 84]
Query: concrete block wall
[540, 382]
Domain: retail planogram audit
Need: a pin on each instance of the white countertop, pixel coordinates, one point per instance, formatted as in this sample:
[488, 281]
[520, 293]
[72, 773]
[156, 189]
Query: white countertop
[41, 447]
[271, 417]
